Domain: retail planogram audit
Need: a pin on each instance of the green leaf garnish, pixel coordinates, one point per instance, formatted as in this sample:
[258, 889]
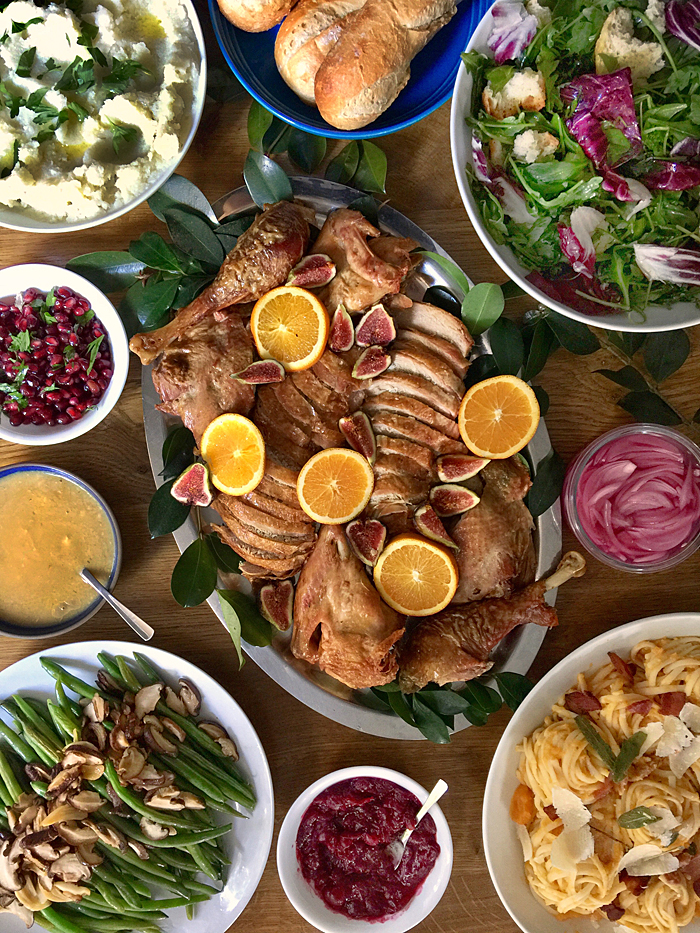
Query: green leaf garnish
[226, 558]
[636, 818]
[93, 348]
[254, 629]
[165, 514]
[20, 27]
[596, 741]
[80, 112]
[26, 60]
[78, 76]
[117, 81]
[628, 752]
[194, 575]
[20, 342]
[121, 134]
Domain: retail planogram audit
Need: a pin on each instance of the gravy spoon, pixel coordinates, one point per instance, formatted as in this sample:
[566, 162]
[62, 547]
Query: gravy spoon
[138, 625]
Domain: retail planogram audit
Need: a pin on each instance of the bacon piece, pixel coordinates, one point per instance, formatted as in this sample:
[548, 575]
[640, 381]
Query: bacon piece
[634, 885]
[604, 788]
[613, 911]
[581, 702]
[551, 812]
[640, 706]
[691, 867]
[696, 887]
[623, 668]
[670, 704]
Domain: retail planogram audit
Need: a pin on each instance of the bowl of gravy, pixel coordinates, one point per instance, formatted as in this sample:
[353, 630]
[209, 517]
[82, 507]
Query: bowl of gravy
[53, 524]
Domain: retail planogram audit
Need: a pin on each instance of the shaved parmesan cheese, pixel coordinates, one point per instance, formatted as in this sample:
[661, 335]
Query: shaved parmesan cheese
[664, 826]
[647, 859]
[682, 760]
[525, 841]
[654, 731]
[676, 737]
[690, 716]
[570, 809]
[571, 847]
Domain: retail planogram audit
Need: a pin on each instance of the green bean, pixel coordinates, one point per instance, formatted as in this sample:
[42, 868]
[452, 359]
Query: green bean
[200, 781]
[49, 753]
[105, 913]
[59, 922]
[40, 787]
[28, 715]
[189, 911]
[236, 788]
[137, 805]
[63, 723]
[117, 877]
[203, 862]
[65, 702]
[17, 743]
[174, 858]
[4, 822]
[196, 887]
[122, 886]
[150, 673]
[172, 902]
[112, 668]
[127, 674]
[147, 868]
[70, 681]
[105, 890]
[11, 784]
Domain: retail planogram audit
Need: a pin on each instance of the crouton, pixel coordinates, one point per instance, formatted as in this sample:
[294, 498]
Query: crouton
[656, 12]
[496, 151]
[524, 91]
[618, 48]
[543, 14]
[531, 146]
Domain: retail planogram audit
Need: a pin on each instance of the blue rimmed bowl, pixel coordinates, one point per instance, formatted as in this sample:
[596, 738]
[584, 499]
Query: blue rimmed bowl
[65, 625]
[433, 71]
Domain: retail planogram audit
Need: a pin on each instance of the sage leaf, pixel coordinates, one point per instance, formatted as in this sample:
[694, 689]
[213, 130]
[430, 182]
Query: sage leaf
[476, 715]
[305, 150]
[483, 367]
[573, 335]
[178, 451]
[443, 702]
[165, 514]
[152, 301]
[371, 169]
[226, 558]
[627, 341]
[429, 723]
[190, 286]
[344, 165]
[400, 705]
[665, 353]
[267, 183]
[540, 342]
[233, 624]
[110, 271]
[514, 688]
[628, 752]
[442, 298]
[259, 122]
[546, 484]
[367, 205]
[478, 694]
[628, 377]
[255, 630]
[451, 268]
[194, 235]
[507, 347]
[194, 575]
[636, 818]
[152, 250]
[596, 741]
[178, 191]
[542, 400]
[482, 307]
[648, 406]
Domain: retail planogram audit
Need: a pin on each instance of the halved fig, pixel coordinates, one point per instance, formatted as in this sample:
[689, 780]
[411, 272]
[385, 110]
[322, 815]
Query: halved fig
[371, 363]
[428, 523]
[358, 430]
[452, 499]
[261, 372]
[366, 538]
[455, 468]
[376, 328]
[312, 271]
[341, 335]
[276, 602]
[192, 486]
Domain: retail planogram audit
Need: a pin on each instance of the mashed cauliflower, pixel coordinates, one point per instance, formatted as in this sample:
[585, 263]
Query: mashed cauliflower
[93, 104]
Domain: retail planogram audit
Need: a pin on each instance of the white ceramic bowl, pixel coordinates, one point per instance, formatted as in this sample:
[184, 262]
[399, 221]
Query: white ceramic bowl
[18, 220]
[305, 900]
[44, 276]
[504, 855]
[681, 314]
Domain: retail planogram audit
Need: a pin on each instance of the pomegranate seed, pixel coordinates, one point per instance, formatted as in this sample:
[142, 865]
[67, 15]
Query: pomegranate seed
[30, 294]
[32, 367]
[64, 329]
[73, 340]
[51, 341]
[62, 292]
[11, 406]
[16, 420]
[40, 353]
[63, 379]
[93, 387]
[56, 359]
[63, 419]
[54, 396]
[22, 324]
[73, 413]
[52, 329]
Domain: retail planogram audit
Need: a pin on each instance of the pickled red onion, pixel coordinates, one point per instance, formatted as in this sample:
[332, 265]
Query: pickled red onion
[638, 498]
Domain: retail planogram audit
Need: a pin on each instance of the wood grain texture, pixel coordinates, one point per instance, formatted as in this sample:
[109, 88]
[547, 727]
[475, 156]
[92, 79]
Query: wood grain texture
[302, 745]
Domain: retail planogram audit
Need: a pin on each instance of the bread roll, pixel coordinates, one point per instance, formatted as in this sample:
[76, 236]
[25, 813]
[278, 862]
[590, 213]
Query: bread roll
[370, 63]
[305, 38]
[255, 15]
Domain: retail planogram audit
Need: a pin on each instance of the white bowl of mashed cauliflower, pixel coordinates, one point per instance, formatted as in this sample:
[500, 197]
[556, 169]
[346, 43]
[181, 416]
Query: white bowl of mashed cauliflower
[99, 101]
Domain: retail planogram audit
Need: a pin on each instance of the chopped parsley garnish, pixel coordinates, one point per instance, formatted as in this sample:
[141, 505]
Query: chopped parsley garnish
[51, 65]
[15, 159]
[12, 390]
[20, 27]
[79, 111]
[122, 134]
[26, 60]
[98, 55]
[88, 33]
[117, 81]
[20, 342]
[68, 353]
[12, 101]
[93, 347]
[78, 76]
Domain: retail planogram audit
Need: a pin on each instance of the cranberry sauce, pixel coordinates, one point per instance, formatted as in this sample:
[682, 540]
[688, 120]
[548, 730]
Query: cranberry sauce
[55, 358]
[341, 847]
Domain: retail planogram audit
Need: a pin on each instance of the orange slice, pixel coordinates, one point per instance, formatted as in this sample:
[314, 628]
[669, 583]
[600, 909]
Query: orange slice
[334, 486]
[416, 576]
[498, 417]
[290, 325]
[234, 450]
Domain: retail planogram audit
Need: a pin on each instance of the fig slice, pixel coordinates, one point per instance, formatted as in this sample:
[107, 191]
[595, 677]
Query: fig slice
[371, 363]
[452, 499]
[193, 487]
[261, 372]
[366, 538]
[428, 523]
[276, 601]
[376, 328]
[358, 430]
[342, 333]
[455, 468]
[312, 271]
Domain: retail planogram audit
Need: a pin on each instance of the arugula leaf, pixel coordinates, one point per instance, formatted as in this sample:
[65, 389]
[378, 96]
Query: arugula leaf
[26, 60]
[93, 348]
[121, 134]
[117, 81]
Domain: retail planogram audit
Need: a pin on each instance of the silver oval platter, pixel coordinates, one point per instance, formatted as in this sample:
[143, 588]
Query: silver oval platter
[305, 682]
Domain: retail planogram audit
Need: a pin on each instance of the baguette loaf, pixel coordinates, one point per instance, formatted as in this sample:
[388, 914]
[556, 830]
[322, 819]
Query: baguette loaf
[305, 38]
[370, 63]
[255, 15]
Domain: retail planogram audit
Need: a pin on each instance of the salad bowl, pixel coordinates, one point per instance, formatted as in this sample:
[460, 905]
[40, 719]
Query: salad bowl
[655, 318]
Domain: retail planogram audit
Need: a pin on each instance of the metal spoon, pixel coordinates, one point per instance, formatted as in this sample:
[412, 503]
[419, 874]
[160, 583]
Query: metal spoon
[137, 624]
[397, 848]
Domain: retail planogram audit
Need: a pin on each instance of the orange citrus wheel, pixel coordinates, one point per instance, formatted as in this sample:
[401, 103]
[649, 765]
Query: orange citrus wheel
[416, 576]
[498, 417]
[290, 325]
[234, 450]
[334, 486]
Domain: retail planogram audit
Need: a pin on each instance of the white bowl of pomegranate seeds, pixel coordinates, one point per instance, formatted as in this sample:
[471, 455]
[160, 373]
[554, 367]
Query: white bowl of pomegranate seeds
[64, 355]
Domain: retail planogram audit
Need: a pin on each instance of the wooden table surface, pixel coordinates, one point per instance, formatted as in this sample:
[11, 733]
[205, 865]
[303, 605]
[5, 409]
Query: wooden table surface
[302, 745]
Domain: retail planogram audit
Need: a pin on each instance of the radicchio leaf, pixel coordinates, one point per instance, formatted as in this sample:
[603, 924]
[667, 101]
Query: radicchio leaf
[603, 99]
[668, 264]
[576, 241]
[683, 21]
[510, 197]
[513, 30]
[689, 147]
[627, 189]
[673, 176]
[567, 290]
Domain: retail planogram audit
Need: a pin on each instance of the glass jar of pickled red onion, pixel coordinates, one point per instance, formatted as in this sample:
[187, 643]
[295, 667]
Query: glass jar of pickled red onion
[632, 498]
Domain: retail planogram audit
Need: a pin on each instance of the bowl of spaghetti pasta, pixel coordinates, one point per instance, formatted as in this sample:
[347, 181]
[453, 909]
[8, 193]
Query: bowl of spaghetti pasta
[592, 804]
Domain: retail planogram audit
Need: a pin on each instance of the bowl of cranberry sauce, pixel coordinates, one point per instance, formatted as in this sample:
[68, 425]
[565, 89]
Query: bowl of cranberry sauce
[63, 355]
[332, 853]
